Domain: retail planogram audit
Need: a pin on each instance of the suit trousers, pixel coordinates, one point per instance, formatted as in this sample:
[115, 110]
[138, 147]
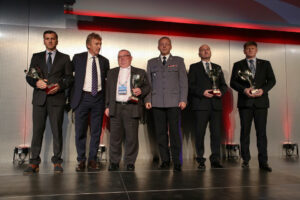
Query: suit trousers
[260, 121]
[39, 117]
[214, 118]
[93, 106]
[165, 118]
[123, 126]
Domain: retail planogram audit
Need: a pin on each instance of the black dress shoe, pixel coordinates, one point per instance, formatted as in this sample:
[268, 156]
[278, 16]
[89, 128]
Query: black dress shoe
[177, 167]
[93, 165]
[265, 167]
[113, 167]
[245, 165]
[80, 167]
[201, 165]
[164, 165]
[216, 165]
[130, 167]
[31, 169]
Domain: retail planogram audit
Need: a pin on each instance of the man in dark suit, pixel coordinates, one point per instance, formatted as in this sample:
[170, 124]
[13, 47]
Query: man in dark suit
[88, 99]
[168, 78]
[55, 69]
[253, 104]
[207, 105]
[125, 112]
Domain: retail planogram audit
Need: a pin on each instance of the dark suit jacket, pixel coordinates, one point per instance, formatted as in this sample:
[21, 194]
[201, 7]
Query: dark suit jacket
[111, 89]
[199, 82]
[79, 67]
[61, 73]
[264, 79]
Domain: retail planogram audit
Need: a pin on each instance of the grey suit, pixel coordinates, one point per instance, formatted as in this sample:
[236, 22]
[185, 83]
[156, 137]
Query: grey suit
[124, 118]
[169, 87]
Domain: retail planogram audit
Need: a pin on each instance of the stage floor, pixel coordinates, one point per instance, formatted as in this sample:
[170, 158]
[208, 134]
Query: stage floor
[148, 182]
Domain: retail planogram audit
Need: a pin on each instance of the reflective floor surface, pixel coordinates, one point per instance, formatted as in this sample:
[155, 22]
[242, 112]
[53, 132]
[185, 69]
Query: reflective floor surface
[148, 182]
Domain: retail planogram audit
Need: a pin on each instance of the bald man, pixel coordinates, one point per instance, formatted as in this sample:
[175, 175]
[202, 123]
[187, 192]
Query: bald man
[207, 105]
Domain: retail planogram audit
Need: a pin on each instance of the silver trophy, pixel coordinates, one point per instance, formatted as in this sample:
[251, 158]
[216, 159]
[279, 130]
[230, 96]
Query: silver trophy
[248, 76]
[136, 83]
[35, 73]
[214, 75]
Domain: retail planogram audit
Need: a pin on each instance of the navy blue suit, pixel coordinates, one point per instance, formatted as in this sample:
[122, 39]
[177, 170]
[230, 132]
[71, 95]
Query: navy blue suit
[84, 104]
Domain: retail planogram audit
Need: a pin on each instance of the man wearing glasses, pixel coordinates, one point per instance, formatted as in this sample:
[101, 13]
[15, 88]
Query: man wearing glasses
[126, 88]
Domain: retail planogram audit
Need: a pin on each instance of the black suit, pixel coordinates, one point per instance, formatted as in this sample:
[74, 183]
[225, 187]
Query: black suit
[52, 105]
[206, 109]
[124, 118]
[253, 108]
[84, 104]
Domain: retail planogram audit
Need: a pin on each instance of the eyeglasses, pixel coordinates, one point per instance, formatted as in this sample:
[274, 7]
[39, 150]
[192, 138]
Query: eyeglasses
[124, 56]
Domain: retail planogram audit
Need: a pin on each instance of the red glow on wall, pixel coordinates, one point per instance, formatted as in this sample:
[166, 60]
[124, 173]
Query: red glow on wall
[287, 121]
[228, 122]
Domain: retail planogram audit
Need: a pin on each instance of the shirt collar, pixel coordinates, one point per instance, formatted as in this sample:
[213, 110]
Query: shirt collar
[127, 68]
[254, 59]
[53, 52]
[90, 56]
[167, 56]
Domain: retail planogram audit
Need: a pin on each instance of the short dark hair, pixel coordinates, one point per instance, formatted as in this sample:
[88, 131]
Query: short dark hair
[92, 36]
[250, 43]
[50, 32]
[164, 37]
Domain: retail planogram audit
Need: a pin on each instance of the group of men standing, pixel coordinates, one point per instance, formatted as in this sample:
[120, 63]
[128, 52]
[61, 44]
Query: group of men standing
[122, 92]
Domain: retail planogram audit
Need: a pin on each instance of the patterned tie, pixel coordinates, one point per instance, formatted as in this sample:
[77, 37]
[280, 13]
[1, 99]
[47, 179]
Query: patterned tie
[94, 78]
[49, 62]
[252, 67]
[164, 60]
[207, 67]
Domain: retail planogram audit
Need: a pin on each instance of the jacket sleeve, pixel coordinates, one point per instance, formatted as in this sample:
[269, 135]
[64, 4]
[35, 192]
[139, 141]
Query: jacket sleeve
[183, 82]
[31, 81]
[67, 81]
[107, 89]
[270, 78]
[234, 80]
[223, 85]
[146, 85]
[148, 96]
[194, 89]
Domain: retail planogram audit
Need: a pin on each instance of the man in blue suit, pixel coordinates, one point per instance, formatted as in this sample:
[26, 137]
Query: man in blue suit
[88, 99]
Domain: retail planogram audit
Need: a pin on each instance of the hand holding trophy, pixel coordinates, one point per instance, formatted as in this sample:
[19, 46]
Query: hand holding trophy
[214, 75]
[248, 76]
[35, 73]
[136, 83]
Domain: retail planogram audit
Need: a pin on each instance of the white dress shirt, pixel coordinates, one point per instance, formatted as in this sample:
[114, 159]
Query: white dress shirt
[87, 86]
[124, 79]
[162, 57]
[204, 65]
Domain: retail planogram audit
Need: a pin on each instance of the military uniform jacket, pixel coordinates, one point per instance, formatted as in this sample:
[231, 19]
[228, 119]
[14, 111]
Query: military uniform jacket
[169, 82]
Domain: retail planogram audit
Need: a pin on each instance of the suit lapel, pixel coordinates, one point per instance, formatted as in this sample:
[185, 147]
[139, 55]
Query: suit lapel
[56, 58]
[43, 66]
[258, 67]
[115, 82]
[101, 64]
[203, 69]
[84, 63]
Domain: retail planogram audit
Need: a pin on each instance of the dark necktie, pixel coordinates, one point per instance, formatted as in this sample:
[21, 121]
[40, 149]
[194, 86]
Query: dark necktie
[164, 60]
[94, 77]
[252, 67]
[207, 67]
[49, 62]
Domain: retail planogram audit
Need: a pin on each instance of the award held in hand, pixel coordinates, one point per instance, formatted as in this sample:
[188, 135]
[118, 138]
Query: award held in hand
[248, 76]
[214, 75]
[35, 73]
[136, 83]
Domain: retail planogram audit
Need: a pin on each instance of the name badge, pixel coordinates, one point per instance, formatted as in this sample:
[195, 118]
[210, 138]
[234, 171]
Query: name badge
[122, 90]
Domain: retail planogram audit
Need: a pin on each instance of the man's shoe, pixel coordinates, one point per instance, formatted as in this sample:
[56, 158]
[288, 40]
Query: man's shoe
[201, 165]
[130, 167]
[93, 165]
[81, 166]
[31, 169]
[216, 165]
[177, 167]
[265, 167]
[245, 165]
[58, 168]
[164, 165]
[113, 167]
